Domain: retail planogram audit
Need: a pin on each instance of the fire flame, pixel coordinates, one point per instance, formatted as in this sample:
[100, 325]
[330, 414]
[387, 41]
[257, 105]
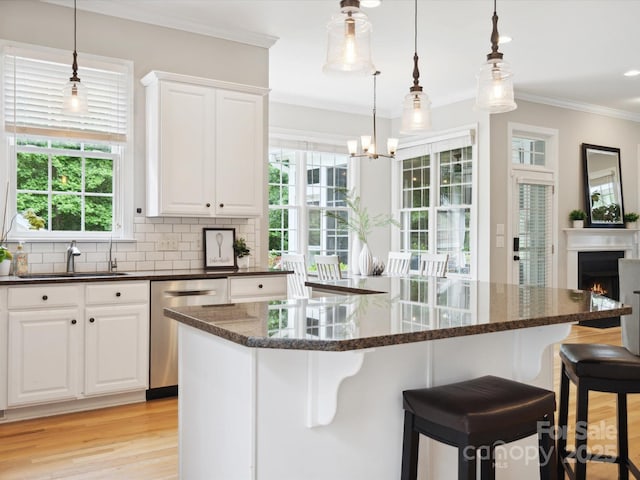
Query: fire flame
[598, 288]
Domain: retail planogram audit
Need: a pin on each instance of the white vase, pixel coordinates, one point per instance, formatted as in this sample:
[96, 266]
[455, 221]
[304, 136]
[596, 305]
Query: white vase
[365, 261]
[354, 269]
[578, 223]
[631, 225]
[5, 266]
[243, 262]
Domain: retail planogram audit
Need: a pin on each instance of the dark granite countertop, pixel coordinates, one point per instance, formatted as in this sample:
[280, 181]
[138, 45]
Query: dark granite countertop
[413, 309]
[62, 277]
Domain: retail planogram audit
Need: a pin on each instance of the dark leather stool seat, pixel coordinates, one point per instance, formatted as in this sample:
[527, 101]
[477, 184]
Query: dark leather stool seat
[601, 368]
[477, 414]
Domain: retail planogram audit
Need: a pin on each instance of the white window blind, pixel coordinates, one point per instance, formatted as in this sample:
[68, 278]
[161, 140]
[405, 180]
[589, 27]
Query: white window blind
[32, 97]
[535, 203]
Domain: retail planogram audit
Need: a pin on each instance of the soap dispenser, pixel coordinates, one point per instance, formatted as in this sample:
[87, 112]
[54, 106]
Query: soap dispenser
[21, 265]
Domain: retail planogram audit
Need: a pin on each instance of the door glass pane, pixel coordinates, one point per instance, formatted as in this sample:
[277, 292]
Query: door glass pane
[534, 204]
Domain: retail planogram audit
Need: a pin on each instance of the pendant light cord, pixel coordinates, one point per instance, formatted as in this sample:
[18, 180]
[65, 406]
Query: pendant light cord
[74, 67]
[416, 72]
[375, 76]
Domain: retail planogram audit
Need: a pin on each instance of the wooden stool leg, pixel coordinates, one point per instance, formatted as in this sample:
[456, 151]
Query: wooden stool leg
[582, 411]
[466, 463]
[563, 416]
[547, 450]
[487, 463]
[410, 442]
[623, 438]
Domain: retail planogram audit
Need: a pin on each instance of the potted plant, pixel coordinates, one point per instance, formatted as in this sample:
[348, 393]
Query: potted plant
[630, 219]
[361, 223]
[577, 217]
[242, 252]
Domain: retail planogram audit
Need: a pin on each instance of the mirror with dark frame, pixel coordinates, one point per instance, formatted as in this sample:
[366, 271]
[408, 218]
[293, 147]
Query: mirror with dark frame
[603, 186]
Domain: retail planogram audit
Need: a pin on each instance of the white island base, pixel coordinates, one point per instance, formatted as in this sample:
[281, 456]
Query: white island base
[279, 414]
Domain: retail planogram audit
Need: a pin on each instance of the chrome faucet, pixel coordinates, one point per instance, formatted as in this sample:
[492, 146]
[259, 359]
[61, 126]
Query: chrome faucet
[112, 264]
[72, 252]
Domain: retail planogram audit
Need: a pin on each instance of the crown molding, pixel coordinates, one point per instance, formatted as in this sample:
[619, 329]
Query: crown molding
[581, 107]
[146, 15]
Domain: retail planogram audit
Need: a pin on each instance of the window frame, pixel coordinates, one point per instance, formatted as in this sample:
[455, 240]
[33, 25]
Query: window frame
[461, 137]
[123, 174]
[304, 142]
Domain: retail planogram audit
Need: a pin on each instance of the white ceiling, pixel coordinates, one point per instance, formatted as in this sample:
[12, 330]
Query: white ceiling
[563, 51]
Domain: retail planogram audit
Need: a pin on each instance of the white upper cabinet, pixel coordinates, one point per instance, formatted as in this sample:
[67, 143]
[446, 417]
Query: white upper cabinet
[205, 147]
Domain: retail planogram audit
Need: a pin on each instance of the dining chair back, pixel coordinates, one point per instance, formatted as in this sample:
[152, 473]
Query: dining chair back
[433, 264]
[295, 281]
[328, 267]
[398, 263]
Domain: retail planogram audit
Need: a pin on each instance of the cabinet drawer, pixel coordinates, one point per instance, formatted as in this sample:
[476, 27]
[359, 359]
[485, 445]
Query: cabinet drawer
[117, 293]
[272, 286]
[44, 296]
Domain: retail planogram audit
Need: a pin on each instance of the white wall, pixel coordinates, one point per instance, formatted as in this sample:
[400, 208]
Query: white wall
[150, 48]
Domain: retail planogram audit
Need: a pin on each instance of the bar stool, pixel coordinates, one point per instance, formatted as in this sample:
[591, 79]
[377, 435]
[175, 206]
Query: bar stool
[478, 414]
[600, 368]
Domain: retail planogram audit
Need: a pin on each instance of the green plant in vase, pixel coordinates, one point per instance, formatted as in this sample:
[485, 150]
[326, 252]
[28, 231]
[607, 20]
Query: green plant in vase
[630, 219]
[242, 252]
[361, 223]
[577, 217]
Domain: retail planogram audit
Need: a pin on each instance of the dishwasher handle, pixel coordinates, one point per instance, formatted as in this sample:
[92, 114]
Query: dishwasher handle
[189, 293]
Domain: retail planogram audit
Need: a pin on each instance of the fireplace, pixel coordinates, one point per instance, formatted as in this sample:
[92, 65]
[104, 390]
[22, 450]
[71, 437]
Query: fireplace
[598, 272]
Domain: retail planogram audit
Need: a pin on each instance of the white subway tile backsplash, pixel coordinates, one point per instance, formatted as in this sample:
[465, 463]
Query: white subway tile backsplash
[160, 244]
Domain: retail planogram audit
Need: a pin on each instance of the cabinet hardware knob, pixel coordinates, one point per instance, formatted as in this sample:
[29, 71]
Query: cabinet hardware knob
[260, 286]
[208, 205]
[118, 294]
[73, 322]
[91, 320]
[44, 297]
[221, 205]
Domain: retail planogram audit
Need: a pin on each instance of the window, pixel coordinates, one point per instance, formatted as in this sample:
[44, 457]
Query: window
[303, 186]
[72, 173]
[436, 201]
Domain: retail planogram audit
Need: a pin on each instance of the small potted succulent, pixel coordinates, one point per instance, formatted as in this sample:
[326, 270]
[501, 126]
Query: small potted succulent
[242, 252]
[577, 217]
[630, 220]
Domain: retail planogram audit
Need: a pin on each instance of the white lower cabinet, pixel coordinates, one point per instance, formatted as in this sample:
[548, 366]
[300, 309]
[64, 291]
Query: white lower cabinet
[44, 358]
[117, 351]
[97, 345]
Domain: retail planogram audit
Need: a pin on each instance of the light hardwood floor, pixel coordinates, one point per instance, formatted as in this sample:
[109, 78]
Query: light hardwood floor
[139, 442]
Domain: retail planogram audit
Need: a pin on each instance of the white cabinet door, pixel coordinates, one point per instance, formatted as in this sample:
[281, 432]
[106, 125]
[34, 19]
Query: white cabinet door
[205, 147]
[117, 348]
[180, 171]
[44, 355]
[239, 154]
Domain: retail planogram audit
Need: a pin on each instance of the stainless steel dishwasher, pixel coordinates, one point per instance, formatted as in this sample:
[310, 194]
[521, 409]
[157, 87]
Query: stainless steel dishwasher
[163, 345]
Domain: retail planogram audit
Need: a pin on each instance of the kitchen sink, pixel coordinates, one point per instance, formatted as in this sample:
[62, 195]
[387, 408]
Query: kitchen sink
[72, 274]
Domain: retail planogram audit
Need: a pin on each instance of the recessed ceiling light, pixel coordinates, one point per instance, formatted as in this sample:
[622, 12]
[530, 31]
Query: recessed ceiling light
[504, 39]
[370, 3]
[632, 73]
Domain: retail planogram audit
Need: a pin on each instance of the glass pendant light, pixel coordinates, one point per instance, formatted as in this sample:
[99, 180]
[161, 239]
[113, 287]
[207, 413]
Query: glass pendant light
[349, 47]
[416, 110]
[495, 80]
[74, 94]
[368, 142]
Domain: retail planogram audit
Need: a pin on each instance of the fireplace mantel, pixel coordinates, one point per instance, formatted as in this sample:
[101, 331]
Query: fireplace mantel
[594, 240]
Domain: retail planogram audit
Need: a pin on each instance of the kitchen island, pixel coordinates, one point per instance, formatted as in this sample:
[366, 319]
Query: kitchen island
[312, 389]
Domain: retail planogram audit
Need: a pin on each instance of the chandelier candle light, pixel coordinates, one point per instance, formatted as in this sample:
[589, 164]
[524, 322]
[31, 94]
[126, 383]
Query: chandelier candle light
[495, 82]
[368, 143]
[349, 47]
[416, 110]
[74, 93]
